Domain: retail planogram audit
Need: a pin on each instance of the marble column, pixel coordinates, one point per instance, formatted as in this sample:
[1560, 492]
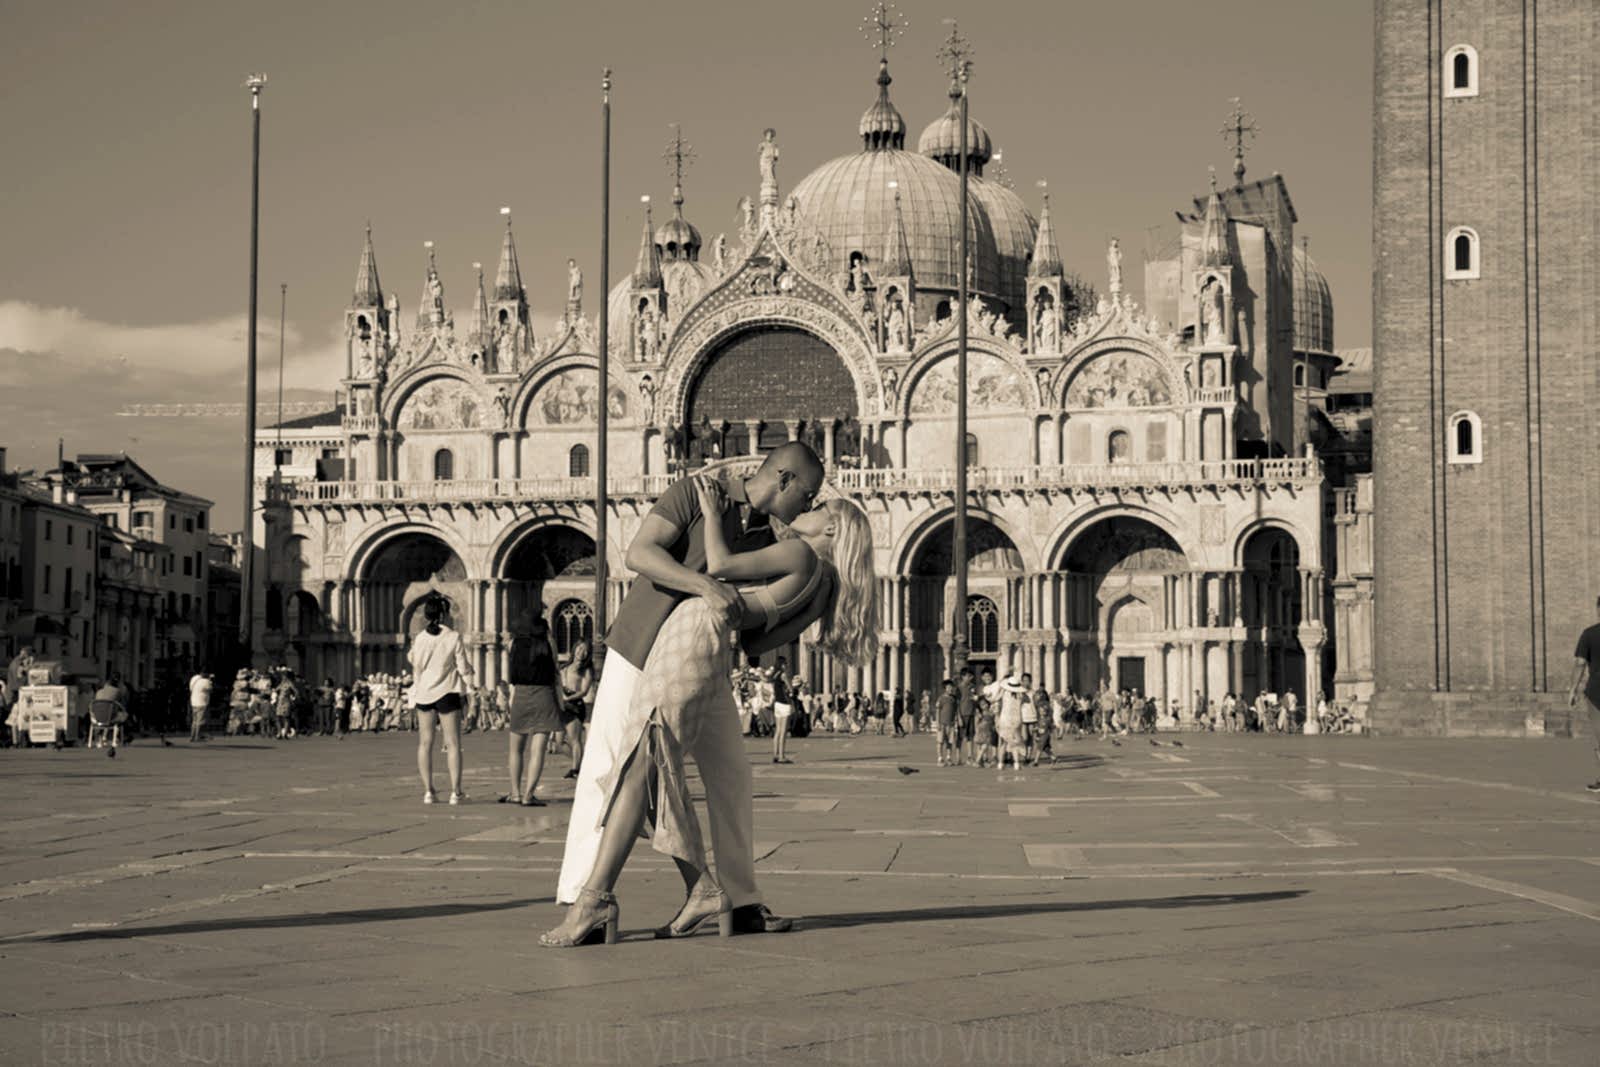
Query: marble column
[753, 428]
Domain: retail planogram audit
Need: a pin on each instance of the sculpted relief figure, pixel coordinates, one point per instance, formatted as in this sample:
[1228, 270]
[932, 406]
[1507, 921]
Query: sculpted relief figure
[1114, 266]
[747, 219]
[574, 284]
[895, 326]
[502, 401]
[891, 387]
[1213, 313]
[719, 253]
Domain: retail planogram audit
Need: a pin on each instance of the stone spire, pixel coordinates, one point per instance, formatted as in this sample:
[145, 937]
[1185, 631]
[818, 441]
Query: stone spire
[508, 279]
[368, 293]
[897, 250]
[647, 273]
[480, 307]
[1214, 230]
[1046, 261]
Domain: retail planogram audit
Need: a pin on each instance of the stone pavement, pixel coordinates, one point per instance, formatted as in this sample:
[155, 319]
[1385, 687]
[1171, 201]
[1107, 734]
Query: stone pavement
[1236, 900]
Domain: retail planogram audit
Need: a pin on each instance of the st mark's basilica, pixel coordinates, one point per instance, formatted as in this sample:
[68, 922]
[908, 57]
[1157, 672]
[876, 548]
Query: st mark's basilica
[1145, 507]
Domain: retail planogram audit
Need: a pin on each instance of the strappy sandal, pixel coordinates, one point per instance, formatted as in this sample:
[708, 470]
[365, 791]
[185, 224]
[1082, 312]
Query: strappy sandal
[603, 928]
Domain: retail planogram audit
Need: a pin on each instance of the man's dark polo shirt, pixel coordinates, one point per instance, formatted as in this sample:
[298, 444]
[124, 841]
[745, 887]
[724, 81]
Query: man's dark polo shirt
[647, 605]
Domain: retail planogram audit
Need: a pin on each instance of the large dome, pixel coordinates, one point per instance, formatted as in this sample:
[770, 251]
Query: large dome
[1313, 306]
[1014, 231]
[849, 202]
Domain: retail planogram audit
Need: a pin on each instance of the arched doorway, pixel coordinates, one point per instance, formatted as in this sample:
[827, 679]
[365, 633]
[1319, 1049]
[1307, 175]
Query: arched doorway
[993, 563]
[1118, 607]
[302, 625]
[395, 580]
[770, 375]
[1271, 604]
[549, 565]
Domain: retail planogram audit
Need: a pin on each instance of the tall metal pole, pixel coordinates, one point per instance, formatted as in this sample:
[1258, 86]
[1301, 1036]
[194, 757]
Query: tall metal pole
[604, 361]
[283, 306]
[958, 628]
[255, 83]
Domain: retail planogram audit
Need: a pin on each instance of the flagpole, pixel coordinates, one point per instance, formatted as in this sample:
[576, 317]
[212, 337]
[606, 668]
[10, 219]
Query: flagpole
[255, 83]
[603, 403]
[283, 306]
[958, 624]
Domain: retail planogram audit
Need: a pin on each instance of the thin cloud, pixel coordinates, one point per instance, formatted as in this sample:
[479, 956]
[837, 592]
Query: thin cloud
[207, 349]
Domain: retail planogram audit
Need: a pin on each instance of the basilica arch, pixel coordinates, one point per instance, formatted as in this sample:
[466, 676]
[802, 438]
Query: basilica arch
[1111, 344]
[1120, 605]
[559, 393]
[703, 336]
[395, 571]
[926, 605]
[542, 564]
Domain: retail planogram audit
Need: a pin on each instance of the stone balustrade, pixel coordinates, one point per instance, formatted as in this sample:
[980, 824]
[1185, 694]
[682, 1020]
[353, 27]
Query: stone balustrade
[850, 481]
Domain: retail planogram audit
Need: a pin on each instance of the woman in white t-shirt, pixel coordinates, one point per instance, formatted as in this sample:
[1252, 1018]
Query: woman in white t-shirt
[441, 671]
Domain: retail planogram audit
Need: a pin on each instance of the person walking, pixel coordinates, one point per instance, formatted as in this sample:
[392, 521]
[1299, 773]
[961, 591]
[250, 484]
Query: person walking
[535, 709]
[441, 670]
[1587, 663]
[577, 683]
[199, 700]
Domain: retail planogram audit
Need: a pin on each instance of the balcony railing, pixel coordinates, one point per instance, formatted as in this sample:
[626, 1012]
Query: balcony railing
[853, 482]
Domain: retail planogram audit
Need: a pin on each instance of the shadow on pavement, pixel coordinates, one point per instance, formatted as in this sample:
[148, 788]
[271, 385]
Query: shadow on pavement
[278, 922]
[1002, 911]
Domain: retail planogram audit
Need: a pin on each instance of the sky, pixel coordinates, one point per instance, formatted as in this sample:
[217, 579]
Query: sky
[124, 229]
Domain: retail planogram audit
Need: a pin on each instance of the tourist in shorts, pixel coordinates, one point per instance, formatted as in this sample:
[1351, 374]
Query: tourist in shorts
[439, 658]
[782, 708]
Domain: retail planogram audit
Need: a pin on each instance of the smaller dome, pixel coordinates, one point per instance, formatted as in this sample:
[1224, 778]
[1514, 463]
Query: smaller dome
[1313, 306]
[881, 124]
[678, 239]
[941, 140]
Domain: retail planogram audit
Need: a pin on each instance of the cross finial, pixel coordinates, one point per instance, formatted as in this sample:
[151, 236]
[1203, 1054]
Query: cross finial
[882, 29]
[956, 54]
[1239, 129]
[678, 155]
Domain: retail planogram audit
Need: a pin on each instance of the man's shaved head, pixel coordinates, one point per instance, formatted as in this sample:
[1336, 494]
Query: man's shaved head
[787, 483]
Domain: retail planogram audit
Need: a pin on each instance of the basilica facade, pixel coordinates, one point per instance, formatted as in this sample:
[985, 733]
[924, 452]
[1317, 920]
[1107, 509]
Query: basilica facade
[1140, 511]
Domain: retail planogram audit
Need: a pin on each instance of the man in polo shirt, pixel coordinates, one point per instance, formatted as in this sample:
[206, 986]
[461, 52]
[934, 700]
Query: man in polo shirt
[669, 556]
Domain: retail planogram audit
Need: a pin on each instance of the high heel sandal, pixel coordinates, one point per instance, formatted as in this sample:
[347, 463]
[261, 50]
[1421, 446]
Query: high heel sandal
[723, 912]
[603, 928]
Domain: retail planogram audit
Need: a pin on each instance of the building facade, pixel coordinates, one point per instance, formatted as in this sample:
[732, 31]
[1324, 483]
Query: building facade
[1487, 554]
[1140, 513]
[60, 554]
[127, 498]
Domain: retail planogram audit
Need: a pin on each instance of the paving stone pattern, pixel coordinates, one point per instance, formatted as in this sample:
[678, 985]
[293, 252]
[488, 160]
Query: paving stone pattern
[1238, 900]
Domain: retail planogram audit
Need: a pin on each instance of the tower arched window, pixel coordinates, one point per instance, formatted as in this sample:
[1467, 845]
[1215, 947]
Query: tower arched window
[578, 461]
[444, 465]
[1299, 374]
[1461, 254]
[1461, 71]
[1465, 441]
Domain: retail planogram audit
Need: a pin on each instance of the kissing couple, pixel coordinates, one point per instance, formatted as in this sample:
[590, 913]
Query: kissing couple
[713, 578]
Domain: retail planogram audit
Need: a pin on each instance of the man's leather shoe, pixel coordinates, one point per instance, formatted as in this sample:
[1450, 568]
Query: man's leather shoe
[758, 919]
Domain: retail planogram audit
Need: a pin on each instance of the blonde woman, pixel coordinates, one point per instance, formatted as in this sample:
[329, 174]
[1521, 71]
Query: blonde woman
[684, 691]
[439, 662]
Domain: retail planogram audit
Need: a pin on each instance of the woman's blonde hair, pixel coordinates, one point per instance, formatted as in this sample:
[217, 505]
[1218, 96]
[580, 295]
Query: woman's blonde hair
[850, 625]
